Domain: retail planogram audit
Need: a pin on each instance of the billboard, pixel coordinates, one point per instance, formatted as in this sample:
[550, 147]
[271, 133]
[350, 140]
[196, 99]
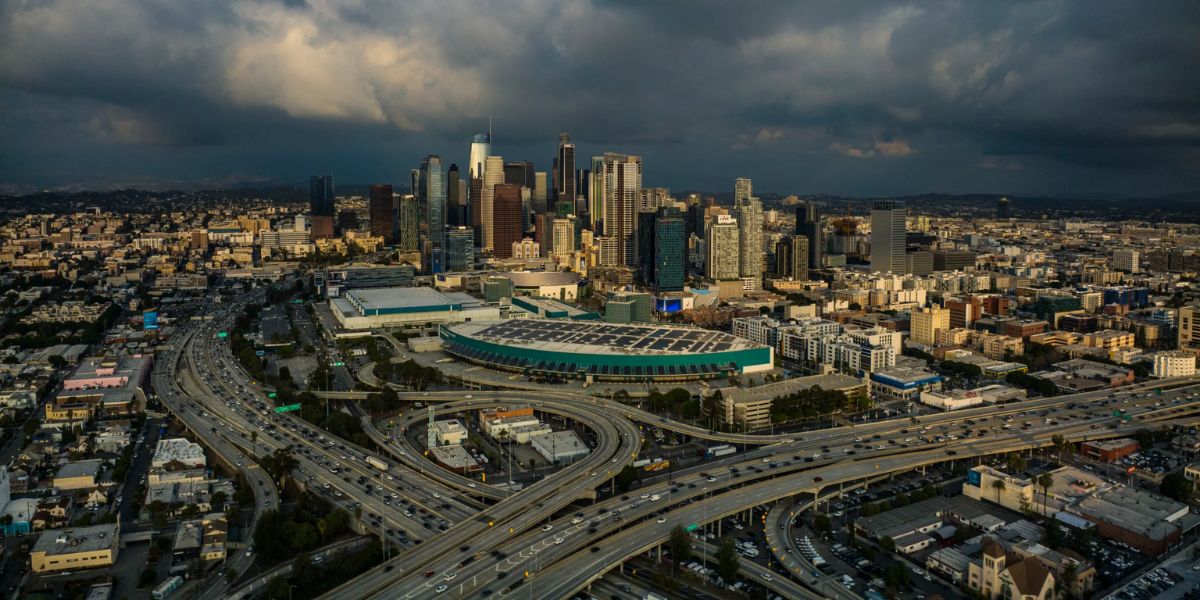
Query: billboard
[150, 320]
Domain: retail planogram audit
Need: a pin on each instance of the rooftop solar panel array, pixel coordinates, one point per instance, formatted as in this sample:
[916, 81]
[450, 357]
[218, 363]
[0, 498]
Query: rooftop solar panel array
[655, 339]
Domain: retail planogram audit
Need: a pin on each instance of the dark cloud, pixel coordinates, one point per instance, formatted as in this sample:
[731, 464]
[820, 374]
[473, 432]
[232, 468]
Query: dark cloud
[807, 97]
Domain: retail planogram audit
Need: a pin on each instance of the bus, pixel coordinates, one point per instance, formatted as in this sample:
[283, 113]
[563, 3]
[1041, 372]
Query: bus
[166, 588]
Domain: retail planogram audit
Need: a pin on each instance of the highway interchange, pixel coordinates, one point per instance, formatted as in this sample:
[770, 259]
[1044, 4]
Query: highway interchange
[465, 539]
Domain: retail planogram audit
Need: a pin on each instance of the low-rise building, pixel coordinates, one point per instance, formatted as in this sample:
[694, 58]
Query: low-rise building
[77, 475]
[903, 384]
[559, 446]
[75, 548]
[448, 432]
[959, 399]
[1109, 450]
[180, 451]
[199, 539]
[1009, 576]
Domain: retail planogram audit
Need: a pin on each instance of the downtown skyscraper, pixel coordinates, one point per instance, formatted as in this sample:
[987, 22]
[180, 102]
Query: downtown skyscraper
[493, 175]
[622, 175]
[564, 172]
[431, 199]
[321, 205]
[750, 238]
[887, 236]
[382, 213]
[808, 224]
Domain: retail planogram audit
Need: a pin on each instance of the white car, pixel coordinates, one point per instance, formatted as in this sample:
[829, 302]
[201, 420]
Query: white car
[547, 527]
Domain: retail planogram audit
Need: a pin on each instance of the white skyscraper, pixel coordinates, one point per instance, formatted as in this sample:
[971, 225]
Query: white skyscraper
[750, 237]
[743, 188]
[493, 175]
[887, 236]
[721, 246]
[1127, 260]
[481, 148]
[622, 188]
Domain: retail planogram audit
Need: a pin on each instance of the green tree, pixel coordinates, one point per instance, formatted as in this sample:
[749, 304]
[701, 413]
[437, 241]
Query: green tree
[1045, 481]
[626, 478]
[1176, 487]
[821, 523]
[728, 563]
[679, 545]
[998, 486]
[146, 577]
[887, 543]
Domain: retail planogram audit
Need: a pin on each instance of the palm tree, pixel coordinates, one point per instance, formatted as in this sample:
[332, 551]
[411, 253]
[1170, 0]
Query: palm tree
[998, 485]
[1046, 481]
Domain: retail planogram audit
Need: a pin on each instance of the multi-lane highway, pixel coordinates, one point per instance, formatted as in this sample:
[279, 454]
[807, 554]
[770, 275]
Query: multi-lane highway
[470, 539]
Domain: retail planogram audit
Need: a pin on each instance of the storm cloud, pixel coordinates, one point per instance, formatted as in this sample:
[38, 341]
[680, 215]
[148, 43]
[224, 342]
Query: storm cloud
[805, 97]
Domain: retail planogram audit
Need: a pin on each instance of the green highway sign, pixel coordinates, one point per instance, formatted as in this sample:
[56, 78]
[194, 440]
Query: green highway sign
[222, 334]
[693, 527]
[271, 394]
[339, 364]
[287, 408]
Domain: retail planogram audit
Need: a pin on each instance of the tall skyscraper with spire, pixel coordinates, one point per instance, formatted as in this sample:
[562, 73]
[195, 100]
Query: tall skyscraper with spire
[481, 148]
[887, 236]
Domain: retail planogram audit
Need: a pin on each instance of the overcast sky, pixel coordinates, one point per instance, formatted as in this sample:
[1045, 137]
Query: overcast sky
[860, 98]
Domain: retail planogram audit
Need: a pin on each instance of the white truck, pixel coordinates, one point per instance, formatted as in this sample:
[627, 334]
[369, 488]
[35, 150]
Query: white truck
[378, 464]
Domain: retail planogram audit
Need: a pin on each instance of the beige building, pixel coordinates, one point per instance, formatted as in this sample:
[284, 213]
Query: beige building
[926, 323]
[1109, 339]
[76, 548]
[1176, 363]
[77, 475]
[1009, 576]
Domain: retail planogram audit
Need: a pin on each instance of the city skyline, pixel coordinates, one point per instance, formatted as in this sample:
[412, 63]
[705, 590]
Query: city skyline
[1055, 99]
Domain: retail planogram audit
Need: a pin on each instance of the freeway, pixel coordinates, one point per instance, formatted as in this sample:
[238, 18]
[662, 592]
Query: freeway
[506, 538]
[835, 471]
[224, 446]
[779, 540]
[260, 581]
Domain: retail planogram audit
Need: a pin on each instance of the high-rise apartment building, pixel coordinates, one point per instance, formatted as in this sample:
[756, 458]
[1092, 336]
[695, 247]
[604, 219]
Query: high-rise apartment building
[1189, 328]
[721, 249]
[1126, 259]
[925, 324]
[564, 171]
[321, 205]
[670, 247]
[408, 223]
[622, 185]
[382, 214]
[460, 248]
[887, 236]
[808, 224]
[595, 211]
[743, 189]
[1003, 209]
[493, 175]
[791, 257]
[506, 218]
[562, 237]
[750, 237]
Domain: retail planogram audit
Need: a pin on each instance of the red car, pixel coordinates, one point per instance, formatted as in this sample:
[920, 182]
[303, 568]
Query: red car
[429, 573]
[818, 479]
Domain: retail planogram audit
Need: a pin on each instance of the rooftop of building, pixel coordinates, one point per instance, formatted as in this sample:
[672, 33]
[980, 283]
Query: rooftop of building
[1116, 444]
[601, 338]
[409, 298]
[453, 456]
[77, 539]
[905, 376]
[179, 449]
[79, 468]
